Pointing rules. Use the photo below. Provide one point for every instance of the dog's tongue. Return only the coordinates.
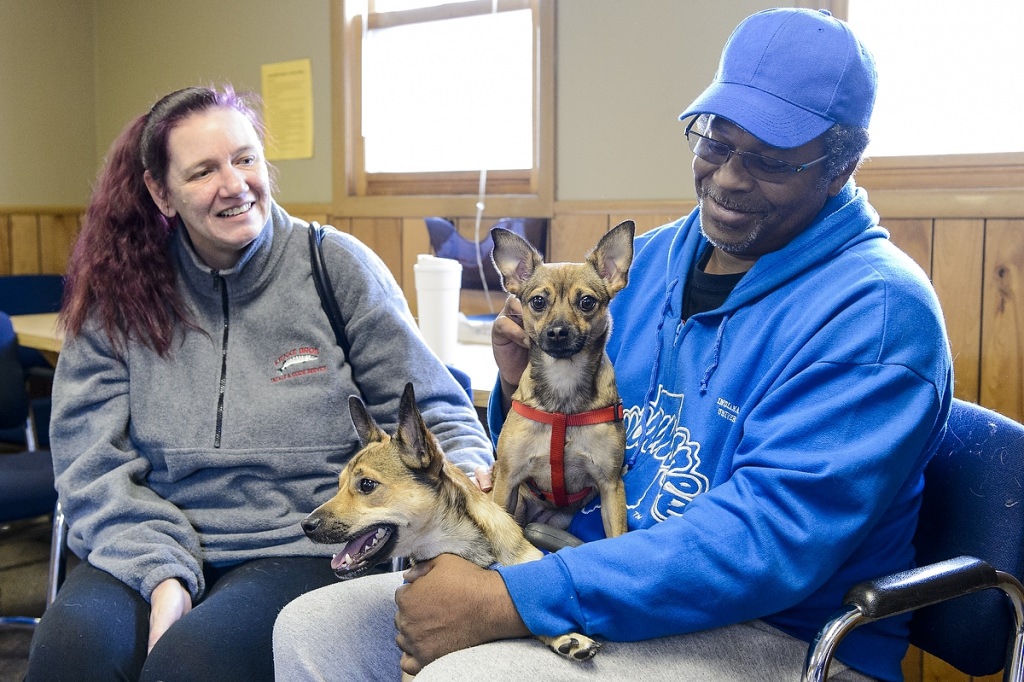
(354, 550)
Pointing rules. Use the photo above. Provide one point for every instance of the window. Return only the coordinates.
(948, 75)
(948, 108)
(443, 99)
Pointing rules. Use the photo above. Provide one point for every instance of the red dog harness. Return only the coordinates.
(559, 421)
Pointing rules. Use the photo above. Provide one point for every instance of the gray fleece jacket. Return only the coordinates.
(215, 453)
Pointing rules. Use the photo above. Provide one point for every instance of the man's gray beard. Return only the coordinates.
(730, 248)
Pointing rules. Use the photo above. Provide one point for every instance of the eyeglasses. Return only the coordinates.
(760, 167)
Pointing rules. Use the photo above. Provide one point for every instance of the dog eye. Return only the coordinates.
(367, 485)
(587, 303)
(538, 304)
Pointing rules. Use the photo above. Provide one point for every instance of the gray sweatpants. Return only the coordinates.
(347, 632)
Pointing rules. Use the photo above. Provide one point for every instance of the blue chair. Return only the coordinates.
(966, 596)
(448, 243)
(28, 295)
(26, 478)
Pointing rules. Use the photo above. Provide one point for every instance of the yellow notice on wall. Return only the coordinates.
(288, 109)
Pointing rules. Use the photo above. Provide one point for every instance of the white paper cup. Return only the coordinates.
(438, 281)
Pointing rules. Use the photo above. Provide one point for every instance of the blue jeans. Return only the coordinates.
(97, 629)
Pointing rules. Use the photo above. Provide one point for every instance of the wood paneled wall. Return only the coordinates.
(34, 241)
(975, 263)
(977, 267)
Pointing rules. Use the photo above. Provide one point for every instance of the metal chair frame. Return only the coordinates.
(957, 558)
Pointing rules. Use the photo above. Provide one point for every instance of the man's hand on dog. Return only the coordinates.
(448, 604)
(510, 347)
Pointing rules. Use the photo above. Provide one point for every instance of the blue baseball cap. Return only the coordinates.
(788, 75)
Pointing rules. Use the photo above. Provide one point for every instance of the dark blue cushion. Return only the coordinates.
(973, 505)
(26, 485)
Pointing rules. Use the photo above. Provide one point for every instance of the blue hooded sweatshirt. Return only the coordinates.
(775, 445)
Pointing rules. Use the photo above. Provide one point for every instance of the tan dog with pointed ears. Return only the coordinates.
(400, 497)
(564, 442)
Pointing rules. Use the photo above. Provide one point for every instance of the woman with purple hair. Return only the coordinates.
(200, 401)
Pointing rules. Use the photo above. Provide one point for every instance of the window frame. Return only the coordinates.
(517, 193)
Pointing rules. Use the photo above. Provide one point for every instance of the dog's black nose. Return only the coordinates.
(558, 333)
(310, 524)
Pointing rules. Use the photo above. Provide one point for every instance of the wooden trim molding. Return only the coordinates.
(947, 203)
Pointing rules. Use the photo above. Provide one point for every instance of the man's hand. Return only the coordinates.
(449, 604)
(169, 602)
(510, 347)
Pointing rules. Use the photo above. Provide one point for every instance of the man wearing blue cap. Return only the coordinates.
(786, 376)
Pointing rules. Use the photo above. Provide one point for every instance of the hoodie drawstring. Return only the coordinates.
(655, 369)
(715, 353)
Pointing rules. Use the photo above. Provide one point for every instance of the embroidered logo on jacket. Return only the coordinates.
(667, 445)
(727, 410)
(298, 362)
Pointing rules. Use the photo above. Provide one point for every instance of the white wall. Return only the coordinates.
(47, 102)
(626, 70)
(72, 75)
(147, 48)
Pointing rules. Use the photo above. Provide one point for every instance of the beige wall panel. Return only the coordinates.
(956, 273)
(936, 670)
(478, 301)
(467, 227)
(310, 216)
(384, 236)
(415, 241)
(1002, 331)
(24, 244)
(644, 222)
(914, 236)
(572, 236)
(5, 244)
(57, 233)
(340, 223)
(912, 664)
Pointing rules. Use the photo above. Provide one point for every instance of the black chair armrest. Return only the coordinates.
(910, 590)
(920, 587)
(549, 538)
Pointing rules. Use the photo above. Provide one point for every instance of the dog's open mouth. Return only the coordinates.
(364, 552)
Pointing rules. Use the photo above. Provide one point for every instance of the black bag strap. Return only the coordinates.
(323, 286)
(330, 304)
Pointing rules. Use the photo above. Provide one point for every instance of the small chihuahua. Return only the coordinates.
(564, 442)
(400, 497)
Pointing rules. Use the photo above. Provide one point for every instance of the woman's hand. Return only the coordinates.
(169, 602)
(484, 478)
(449, 604)
(510, 347)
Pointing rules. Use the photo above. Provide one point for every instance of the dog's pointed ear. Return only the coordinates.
(514, 258)
(366, 427)
(613, 255)
(420, 449)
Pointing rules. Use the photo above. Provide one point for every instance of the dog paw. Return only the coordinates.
(574, 646)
